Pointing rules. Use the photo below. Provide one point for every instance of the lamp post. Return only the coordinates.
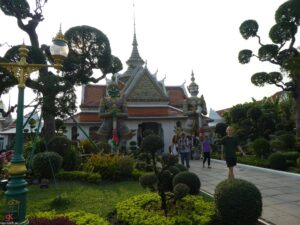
(15, 211)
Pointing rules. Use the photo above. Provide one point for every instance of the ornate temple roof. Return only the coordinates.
(92, 95)
(134, 62)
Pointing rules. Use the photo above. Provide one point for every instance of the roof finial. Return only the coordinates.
(135, 59)
(193, 87)
(133, 19)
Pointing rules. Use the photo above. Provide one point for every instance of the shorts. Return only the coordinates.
(230, 162)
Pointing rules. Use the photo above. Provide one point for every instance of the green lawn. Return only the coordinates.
(99, 199)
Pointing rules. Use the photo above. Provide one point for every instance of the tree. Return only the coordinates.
(281, 52)
(89, 50)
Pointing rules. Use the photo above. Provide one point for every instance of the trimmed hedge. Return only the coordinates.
(79, 217)
(277, 161)
(145, 209)
(94, 178)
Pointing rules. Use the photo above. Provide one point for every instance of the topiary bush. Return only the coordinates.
(293, 155)
(238, 202)
(72, 159)
(181, 167)
(174, 170)
(181, 190)
(148, 180)
(59, 144)
(277, 161)
(277, 145)
(145, 209)
(46, 163)
(190, 179)
(289, 140)
(152, 143)
(261, 147)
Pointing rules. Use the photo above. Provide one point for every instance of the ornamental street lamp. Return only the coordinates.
(15, 211)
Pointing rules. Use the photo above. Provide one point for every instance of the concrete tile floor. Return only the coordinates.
(280, 190)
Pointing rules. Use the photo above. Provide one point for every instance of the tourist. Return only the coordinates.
(173, 147)
(229, 145)
(184, 150)
(206, 146)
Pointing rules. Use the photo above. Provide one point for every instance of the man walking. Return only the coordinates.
(229, 145)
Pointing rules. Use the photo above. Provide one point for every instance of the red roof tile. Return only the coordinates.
(94, 93)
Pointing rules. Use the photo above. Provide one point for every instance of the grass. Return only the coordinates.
(98, 199)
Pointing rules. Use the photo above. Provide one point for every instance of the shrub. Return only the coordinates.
(54, 221)
(79, 218)
(59, 144)
(39, 147)
(277, 161)
(109, 166)
(46, 163)
(148, 180)
(289, 140)
(60, 202)
(181, 167)
(174, 170)
(190, 179)
(168, 159)
(165, 183)
(133, 146)
(253, 160)
(145, 209)
(293, 156)
(261, 147)
(136, 174)
(72, 159)
(125, 166)
(147, 132)
(88, 146)
(238, 202)
(298, 162)
(181, 190)
(277, 144)
(152, 143)
(104, 147)
(83, 176)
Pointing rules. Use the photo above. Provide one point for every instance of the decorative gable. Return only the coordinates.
(145, 88)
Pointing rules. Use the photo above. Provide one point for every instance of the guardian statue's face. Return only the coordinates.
(113, 90)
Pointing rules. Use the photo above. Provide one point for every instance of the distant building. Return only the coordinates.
(151, 104)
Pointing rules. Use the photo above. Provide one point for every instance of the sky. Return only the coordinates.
(175, 37)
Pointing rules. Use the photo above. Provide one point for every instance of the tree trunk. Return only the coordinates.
(163, 202)
(297, 105)
(48, 117)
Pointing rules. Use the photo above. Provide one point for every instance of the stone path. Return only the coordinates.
(280, 190)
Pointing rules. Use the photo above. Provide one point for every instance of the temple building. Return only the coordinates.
(151, 104)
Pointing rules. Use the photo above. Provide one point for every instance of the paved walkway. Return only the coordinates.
(280, 190)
